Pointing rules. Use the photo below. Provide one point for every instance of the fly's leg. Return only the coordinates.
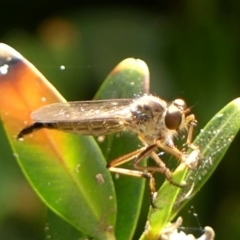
(139, 154)
(161, 166)
(126, 158)
(140, 174)
(181, 155)
(192, 164)
(172, 150)
(192, 123)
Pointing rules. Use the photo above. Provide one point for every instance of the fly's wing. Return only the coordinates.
(87, 117)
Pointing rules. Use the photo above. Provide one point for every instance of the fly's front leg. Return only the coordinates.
(192, 164)
(172, 150)
(180, 155)
(138, 155)
(125, 158)
(192, 123)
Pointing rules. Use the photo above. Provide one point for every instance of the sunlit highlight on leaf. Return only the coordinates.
(62, 168)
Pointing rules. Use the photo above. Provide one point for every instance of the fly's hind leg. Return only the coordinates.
(135, 173)
(161, 166)
(140, 174)
(138, 156)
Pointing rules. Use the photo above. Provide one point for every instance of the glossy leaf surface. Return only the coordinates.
(128, 79)
(62, 168)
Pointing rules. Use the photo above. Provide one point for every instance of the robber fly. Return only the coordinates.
(154, 120)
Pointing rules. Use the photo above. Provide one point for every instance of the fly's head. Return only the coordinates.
(157, 120)
(176, 113)
(178, 118)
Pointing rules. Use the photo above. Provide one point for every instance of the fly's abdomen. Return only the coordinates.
(93, 128)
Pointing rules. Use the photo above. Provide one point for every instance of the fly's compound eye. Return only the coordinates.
(173, 117)
(180, 104)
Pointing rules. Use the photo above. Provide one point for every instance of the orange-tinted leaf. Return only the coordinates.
(62, 168)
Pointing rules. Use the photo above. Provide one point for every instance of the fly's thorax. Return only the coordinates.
(155, 119)
(148, 117)
(147, 106)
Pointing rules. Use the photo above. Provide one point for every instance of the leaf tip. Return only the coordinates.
(131, 63)
(237, 101)
(7, 55)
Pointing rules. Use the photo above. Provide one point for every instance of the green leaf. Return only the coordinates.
(57, 228)
(128, 78)
(213, 141)
(62, 168)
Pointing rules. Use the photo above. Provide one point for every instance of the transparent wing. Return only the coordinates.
(87, 118)
(83, 111)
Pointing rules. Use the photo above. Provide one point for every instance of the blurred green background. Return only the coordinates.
(192, 49)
